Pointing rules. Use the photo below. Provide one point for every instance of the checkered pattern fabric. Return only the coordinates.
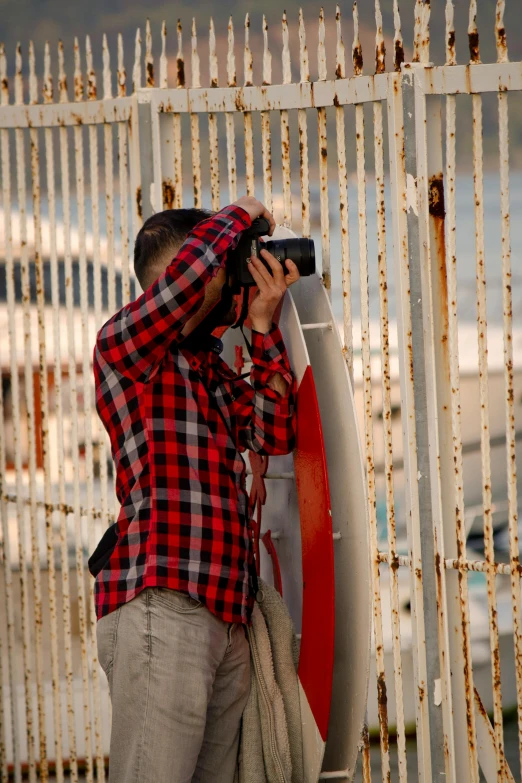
(178, 423)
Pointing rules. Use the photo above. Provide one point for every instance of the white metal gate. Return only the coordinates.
(440, 415)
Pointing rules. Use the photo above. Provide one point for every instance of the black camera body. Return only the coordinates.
(300, 251)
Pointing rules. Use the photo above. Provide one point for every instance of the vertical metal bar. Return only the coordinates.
(212, 123)
(164, 64)
(340, 73)
(6, 554)
(386, 405)
(73, 402)
(134, 141)
(285, 130)
(176, 119)
(429, 476)
(194, 122)
(123, 180)
(453, 499)
(109, 182)
(87, 405)
(229, 118)
(500, 32)
(98, 433)
(160, 198)
(302, 127)
(416, 31)
(398, 45)
(441, 459)
(247, 115)
(368, 420)
(425, 298)
(149, 59)
(484, 391)
(380, 47)
(167, 132)
(425, 31)
(507, 306)
(450, 34)
(366, 762)
(265, 124)
(462, 652)
(403, 182)
(323, 163)
(58, 406)
(24, 595)
(44, 423)
(124, 220)
(136, 71)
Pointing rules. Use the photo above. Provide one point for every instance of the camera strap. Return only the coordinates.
(241, 321)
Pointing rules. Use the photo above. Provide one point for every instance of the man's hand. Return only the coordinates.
(255, 209)
(271, 288)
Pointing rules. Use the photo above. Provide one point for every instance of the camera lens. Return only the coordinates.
(300, 251)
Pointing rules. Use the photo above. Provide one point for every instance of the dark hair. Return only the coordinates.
(162, 233)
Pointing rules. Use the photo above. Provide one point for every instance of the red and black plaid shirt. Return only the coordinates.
(177, 423)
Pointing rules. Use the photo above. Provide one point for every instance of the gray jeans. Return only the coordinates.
(179, 679)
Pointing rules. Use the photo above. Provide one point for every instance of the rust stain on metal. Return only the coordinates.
(500, 33)
(399, 55)
(380, 57)
(238, 102)
(436, 196)
(150, 74)
(501, 39)
(479, 705)
(180, 71)
(78, 87)
(451, 45)
(357, 60)
(139, 201)
(91, 85)
(168, 193)
(474, 49)
(382, 700)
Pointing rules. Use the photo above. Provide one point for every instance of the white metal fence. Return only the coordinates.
(376, 182)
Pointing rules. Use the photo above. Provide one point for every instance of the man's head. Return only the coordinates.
(160, 239)
(157, 244)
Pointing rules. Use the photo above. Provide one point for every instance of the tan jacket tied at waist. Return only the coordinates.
(271, 742)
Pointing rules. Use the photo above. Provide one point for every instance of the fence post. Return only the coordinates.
(444, 346)
(405, 231)
(434, 736)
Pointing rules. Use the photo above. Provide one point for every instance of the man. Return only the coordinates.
(174, 595)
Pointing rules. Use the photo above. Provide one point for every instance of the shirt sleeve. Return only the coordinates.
(137, 336)
(268, 427)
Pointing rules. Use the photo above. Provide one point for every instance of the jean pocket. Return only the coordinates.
(106, 636)
(176, 600)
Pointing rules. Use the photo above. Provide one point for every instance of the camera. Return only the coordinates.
(300, 251)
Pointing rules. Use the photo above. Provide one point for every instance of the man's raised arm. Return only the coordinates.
(137, 336)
